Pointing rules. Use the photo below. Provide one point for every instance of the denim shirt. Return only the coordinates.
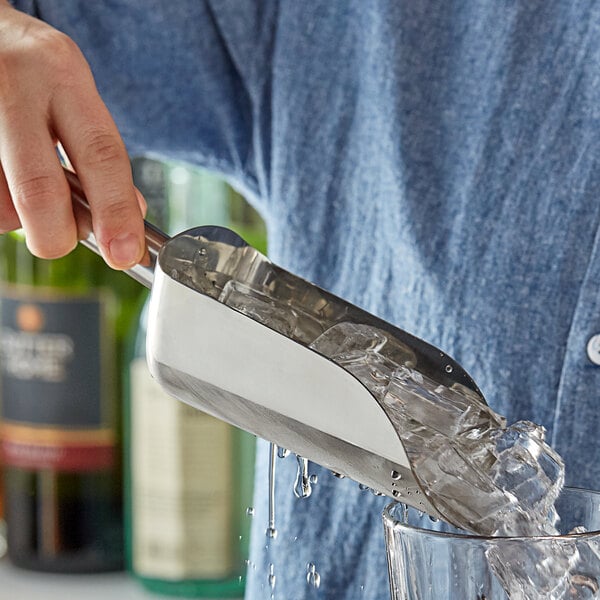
(434, 162)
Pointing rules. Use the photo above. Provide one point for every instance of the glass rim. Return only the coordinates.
(392, 523)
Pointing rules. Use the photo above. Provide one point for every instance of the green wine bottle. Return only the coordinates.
(189, 484)
(63, 324)
(188, 475)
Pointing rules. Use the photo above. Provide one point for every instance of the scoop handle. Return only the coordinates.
(155, 238)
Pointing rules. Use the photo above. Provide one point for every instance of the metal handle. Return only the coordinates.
(155, 238)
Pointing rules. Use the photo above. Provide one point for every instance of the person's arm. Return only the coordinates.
(48, 94)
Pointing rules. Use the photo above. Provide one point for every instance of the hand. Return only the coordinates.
(48, 95)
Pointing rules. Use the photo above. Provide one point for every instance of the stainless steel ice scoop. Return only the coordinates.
(231, 334)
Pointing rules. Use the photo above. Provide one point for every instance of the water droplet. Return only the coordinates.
(433, 519)
(282, 452)
(302, 485)
(362, 487)
(312, 577)
(271, 533)
(272, 577)
(396, 475)
(250, 511)
(397, 493)
(174, 274)
(202, 252)
(449, 369)
(338, 475)
(314, 478)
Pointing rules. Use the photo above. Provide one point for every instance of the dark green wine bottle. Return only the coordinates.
(62, 328)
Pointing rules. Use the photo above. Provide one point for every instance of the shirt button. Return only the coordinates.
(593, 349)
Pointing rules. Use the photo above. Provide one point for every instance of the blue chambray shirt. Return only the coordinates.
(435, 162)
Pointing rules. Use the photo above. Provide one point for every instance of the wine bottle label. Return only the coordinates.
(181, 476)
(52, 387)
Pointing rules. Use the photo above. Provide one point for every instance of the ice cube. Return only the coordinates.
(349, 342)
(460, 489)
(258, 304)
(414, 396)
(531, 569)
(373, 371)
(357, 348)
(528, 468)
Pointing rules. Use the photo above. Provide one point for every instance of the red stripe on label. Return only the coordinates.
(71, 458)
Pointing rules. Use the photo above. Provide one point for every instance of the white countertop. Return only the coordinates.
(18, 584)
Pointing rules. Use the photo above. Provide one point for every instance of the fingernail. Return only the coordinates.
(141, 202)
(125, 250)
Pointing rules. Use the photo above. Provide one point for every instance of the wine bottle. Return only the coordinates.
(190, 482)
(2, 521)
(188, 475)
(62, 328)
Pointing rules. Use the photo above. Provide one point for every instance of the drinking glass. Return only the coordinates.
(429, 559)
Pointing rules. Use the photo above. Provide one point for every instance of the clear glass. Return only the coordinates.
(431, 560)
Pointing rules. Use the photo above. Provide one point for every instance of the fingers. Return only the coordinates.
(47, 94)
(86, 130)
(9, 220)
(38, 189)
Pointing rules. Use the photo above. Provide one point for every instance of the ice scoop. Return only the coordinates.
(236, 336)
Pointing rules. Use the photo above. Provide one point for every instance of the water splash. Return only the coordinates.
(312, 576)
(271, 529)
